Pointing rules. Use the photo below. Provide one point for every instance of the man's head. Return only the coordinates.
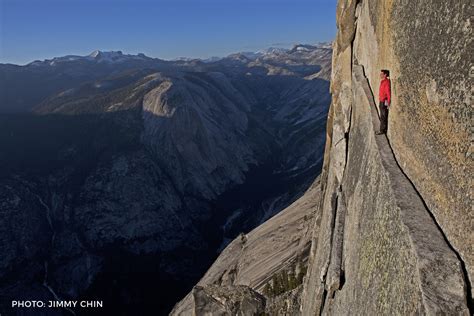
(384, 73)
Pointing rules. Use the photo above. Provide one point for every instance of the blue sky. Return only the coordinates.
(40, 29)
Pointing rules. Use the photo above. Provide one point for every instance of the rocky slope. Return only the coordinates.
(132, 172)
(276, 251)
(394, 229)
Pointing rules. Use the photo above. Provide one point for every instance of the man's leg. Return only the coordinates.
(383, 117)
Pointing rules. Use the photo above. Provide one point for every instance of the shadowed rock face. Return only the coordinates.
(136, 175)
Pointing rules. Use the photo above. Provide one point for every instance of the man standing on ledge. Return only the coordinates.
(384, 99)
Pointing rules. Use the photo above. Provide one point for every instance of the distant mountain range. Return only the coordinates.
(97, 56)
(120, 57)
(46, 77)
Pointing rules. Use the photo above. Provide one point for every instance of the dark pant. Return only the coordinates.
(383, 117)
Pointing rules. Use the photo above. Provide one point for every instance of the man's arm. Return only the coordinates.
(389, 92)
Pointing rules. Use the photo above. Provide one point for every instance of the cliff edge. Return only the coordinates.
(396, 230)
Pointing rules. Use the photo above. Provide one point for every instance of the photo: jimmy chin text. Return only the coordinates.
(57, 304)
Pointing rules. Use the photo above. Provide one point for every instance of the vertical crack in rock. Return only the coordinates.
(324, 270)
(356, 17)
(334, 279)
(323, 302)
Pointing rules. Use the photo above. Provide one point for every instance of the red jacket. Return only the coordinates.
(384, 90)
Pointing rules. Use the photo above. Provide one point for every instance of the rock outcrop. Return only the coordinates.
(222, 300)
(395, 235)
(277, 249)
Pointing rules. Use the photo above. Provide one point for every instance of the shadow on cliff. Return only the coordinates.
(40, 144)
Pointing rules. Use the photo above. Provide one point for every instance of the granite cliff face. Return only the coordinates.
(392, 233)
(396, 229)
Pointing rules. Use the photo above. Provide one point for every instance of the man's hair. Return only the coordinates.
(386, 72)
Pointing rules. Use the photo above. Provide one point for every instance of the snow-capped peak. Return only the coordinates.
(274, 50)
(112, 55)
(94, 54)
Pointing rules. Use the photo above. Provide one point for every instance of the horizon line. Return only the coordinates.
(243, 50)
